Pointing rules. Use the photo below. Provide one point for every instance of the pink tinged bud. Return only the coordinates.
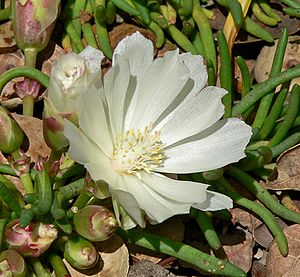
(31, 241)
(33, 22)
(95, 223)
(80, 253)
(12, 264)
(27, 87)
(53, 127)
(11, 135)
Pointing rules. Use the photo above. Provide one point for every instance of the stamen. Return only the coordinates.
(137, 150)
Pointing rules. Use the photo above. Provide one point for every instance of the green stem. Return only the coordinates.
(3, 222)
(24, 71)
(181, 251)
(262, 194)
(266, 101)
(285, 145)
(24, 177)
(260, 90)
(7, 169)
(205, 224)
(289, 118)
(5, 14)
(58, 266)
(267, 217)
(39, 268)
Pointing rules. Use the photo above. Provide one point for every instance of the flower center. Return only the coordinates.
(137, 150)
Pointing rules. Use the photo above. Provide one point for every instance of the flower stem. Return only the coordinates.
(7, 169)
(262, 194)
(24, 177)
(39, 268)
(3, 222)
(267, 217)
(58, 266)
(205, 224)
(260, 90)
(23, 71)
(181, 251)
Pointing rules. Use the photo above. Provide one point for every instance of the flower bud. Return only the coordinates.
(72, 75)
(12, 264)
(98, 188)
(80, 253)
(31, 241)
(11, 135)
(53, 127)
(95, 223)
(33, 22)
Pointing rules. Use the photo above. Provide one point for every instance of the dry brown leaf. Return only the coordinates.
(288, 168)
(114, 260)
(7, 41)
(243, 218)
(238, 248)
(263, 236)
(33, 129)
(289, 266)
(258, 269)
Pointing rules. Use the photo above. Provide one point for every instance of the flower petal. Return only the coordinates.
(215, 147)
(193, 115)
(138, 51)
(181, 191)
(93, 56)
(198, 72)
(215, 201)
(156, 206)
(131, 207)
(86, 152)
(119, 86)
(92, 119)
(162, 83)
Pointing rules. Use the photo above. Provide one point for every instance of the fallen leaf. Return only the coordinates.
(288, 168)
(238, 248)
(258, 269)
(114, 260)
(33, 129)
(288, 266)
(7, 41)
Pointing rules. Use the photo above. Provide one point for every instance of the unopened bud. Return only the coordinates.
(53, 127)
(31, 241)
(80, 253)
(95, 223)
(33, 22)
(12, 264)
(11, 135)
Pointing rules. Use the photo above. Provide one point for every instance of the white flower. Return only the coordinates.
(73, 74)
(151, 117)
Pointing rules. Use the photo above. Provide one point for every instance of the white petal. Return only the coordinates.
(93, 56)
(127, 201)
(123, 218)
(193, 115)
(155, 205)
(93, 121)
(215, 201)
(182, 191)
(138, 51)
(119, 86)
(197, 69)
(162, 83)
(215, 147)
(86, 152)
(56, 94)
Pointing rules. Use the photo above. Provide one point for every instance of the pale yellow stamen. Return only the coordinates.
(137, 150)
